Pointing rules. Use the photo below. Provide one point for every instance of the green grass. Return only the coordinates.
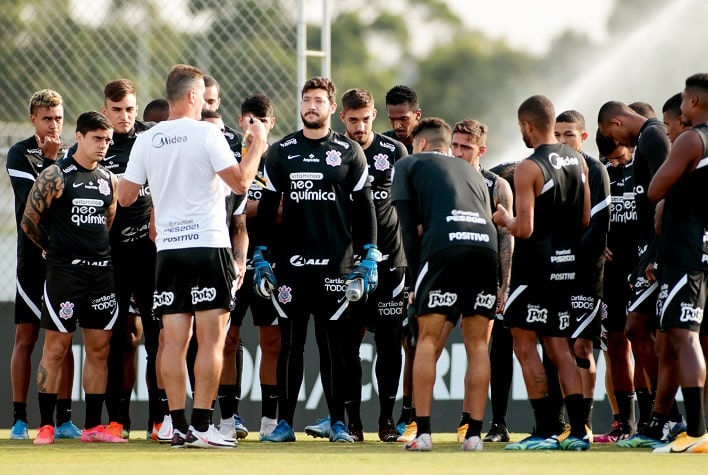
(316, 456)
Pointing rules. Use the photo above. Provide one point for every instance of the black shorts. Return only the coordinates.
(262, 310)
(300, 294)
(644, 293)
(585, 317)
(439, 288)
(79, 294)
(544, 309)
(28, 294)
(190, 280)
(387, 302)
(682, 297)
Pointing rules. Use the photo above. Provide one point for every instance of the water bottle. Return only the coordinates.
(355, 290)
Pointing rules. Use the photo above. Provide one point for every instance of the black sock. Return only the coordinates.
(269, 396)
(94, 408)
(474, 428)
(576, 406)
(406, 410)
(465, 419)
(674, 413)
(695, 411)
(19, 412)
(423, 425)
(545, 421)
(353, 409)
(655, 427)
(645, 401)
(625, 406)
(47, 403)
(125, 395)
(227, 397)
(201, 419)
(63, 411)
(179, 420)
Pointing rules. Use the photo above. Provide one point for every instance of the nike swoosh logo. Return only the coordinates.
(76, 185)
(290, 157)
(392, 269)
(108, 158)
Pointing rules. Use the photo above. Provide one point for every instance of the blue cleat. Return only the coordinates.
(282, 433)
(673, 429)
(19, 431)
(67, 431)
(534, 442)
(322, 429)
(339, 433)
(640, 441)
(575, 443)
(401, 427)
(240, 427)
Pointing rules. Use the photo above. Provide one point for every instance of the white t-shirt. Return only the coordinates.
(179, 159)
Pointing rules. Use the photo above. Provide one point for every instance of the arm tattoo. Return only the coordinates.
(504, 197)
(111, 210)
(49, 185)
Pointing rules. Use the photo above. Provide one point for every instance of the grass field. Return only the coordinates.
(315, 456)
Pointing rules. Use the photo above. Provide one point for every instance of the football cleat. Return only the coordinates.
(685, 443)
(422, 443)
(240, 427)
(166, 431)
(575, 443)
(615, 434)
(282, 433)
(563, 435)
(19, 431)
(410, 432)
(462, 432)
(115, 429)
(321, 429)
(45, 436)
(209, 439)
(357, 433)
(472, 444)
(339, 433)
(177, 440)
(67, 431)
(100, 434)
(640, 441)
(497, 433)
(534, 442)
(388, 432)
(672, 429)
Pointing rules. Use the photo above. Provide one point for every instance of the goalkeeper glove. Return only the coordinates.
(364, 278)
(263, 278)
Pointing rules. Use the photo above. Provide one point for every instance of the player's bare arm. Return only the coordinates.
(685, 154)
(49, 185)
(503, 196)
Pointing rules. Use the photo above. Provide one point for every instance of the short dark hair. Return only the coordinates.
(357, 99)
(572, 117)
(117, 90)
(259, 105)
(92, 120)
(539, 111)
(319, 82)
(435, 130)
(401, 94)
(643, 108)
(673, 104)
(181, 79)
(210, 81)
(605, 145)
(698, 80)
(157, 110)
(611, 109)
(472, 127)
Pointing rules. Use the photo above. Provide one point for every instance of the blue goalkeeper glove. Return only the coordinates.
(364, 278)
(263, 278)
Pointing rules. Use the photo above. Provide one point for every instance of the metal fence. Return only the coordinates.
(76, 46)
